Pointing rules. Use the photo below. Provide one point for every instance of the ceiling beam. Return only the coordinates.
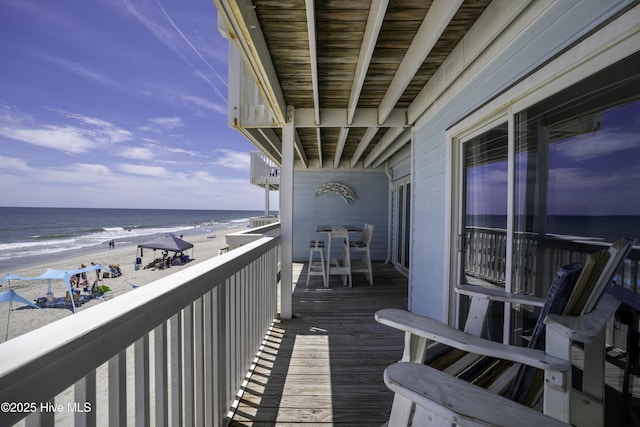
(302, 155)
(371, 32)
(401, 141)
(271, 149)
(313, 57)
(363, 144)
(500, 24)
(438, 17)
(273, 139)
(319, 142)
(342, 139)
(338, 117)
(384, 143)
(239, 16)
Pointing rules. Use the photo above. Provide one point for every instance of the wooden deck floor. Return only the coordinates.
(324, 367)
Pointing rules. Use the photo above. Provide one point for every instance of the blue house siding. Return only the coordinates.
(562, 24)
(371, 206)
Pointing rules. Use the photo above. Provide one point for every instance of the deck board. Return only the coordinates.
(325, 366)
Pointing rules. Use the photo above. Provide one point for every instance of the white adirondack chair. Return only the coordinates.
(425, 396)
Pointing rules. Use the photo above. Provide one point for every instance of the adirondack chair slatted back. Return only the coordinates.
(574, 289)
(486, 370)
(617, 253)
(560, 291)
(575, 310)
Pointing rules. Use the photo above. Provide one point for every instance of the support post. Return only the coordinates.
(286, 215)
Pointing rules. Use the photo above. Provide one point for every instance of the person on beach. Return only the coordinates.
(97, 272)
(83, 277)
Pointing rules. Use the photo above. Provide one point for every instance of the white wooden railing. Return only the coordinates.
(235, 240)
(264, 170)
(173, 352)
(259, 221)
(485, 251)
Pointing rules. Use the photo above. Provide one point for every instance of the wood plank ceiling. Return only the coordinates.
(350, 68)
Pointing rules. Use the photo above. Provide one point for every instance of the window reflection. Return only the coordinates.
(577, 177)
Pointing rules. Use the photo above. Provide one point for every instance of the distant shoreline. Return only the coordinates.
(7, 266)
(17, 319)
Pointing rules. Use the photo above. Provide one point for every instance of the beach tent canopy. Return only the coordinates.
(51, 274)
(11, 295)
(168, 242)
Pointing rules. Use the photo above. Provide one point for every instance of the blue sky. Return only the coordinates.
(118, 103)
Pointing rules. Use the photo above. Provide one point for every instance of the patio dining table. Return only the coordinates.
(333, 231)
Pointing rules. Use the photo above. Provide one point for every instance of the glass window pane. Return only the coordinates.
(577, 178)
(485, 207)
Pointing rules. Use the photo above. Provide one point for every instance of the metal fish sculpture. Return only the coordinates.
(346, 193)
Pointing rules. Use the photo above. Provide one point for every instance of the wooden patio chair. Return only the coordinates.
(577, 310)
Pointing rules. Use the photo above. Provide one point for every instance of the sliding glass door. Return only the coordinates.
(562, 182)
(402, 225)
(483, 222)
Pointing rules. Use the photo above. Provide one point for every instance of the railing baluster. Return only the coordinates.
(161, 375)
(141, 375)
(222, 343)
(118, 389)
(176, 369)
(208, 360)
(85, 393)
(187, 366)
(198, 364)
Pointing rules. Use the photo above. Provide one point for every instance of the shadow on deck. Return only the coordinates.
(325, 366)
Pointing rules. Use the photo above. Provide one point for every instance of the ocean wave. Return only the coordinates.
(239, 220)
(45, 246)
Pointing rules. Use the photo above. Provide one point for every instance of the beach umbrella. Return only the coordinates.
(51, 274)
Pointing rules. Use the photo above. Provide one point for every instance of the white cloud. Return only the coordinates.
(181, 151)
(136, 153)
(68, 139)
(233, 159)
(95, 185)
(590, 146)
(92, 170)
(163, 124)
(205, 103)
(88, 134)
(13, 163)
(154, 171)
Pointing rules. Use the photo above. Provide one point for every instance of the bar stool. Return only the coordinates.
(337, 266)
(316, 268)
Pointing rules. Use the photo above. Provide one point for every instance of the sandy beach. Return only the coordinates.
(16, 320)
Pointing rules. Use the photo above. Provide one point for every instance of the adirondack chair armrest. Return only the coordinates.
(434, 330)
(584, 328)
(456, 401)
(475, 291)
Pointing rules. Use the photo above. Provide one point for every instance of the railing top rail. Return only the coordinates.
(257, 230)
(66, 350)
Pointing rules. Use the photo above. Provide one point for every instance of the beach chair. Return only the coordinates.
(429, 391)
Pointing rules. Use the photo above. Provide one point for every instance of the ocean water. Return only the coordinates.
(29, 235)
(603, 228)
